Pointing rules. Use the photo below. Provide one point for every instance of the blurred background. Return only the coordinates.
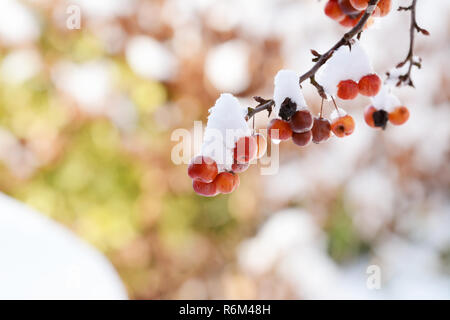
(86, 117)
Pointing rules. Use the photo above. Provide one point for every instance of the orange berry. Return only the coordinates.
(368, 116)
(279, 129)
(347, 7)
(333, 10)
(205, 189)
(359, 4)
(226, 182)
(302, 138)
(348, 21)
(343, 126)
(399, 115)
(203, 169)
(321, 130)
(369, 85)
(347, 90)
(383, 8)
(262, 145)
(245, 149)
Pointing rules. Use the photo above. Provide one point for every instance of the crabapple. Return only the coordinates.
(347, 7)
(245, 149)
(239, 167)
(203, 169)
(321, 130)
(302, 138)
(368, 116)
(369, 85)
(301, 121)
(347, 90)
(205, 189)
(359, 4)
(262, 145)
(399, 115)
(343, 126)
(333, 10)
(383, 8)
(282, 127)
(226, 182)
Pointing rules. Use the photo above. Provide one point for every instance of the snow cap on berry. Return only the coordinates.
(226, 124)
(344, 64)
(385, 99)
(287, 86)
(337, 113)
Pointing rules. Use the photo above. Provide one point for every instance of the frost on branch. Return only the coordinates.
(345, 64)
(287, 87)
(226, 124)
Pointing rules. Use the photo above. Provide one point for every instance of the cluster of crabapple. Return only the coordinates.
(369, 85)
(303, 128)
(209, 182)
(378, 118)
(349, 12)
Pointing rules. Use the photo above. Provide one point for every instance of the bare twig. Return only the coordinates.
(263, 105)
(406, 78)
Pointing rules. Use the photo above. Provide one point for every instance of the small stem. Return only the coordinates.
(335, 106)
(321, 109)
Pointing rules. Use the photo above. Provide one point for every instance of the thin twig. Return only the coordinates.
(414, 27)
(263, 105)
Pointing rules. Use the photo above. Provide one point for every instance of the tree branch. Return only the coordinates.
(414, 27)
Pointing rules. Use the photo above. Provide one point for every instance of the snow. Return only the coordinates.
(226, 66)
(226, 124)
(150, 59)
(40, 259)
(337, 113)
(287, 86)
(344, 64)
(385, 99)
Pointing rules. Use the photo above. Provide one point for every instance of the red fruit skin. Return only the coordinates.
(347, 90)
(399, 115)
(359, 4)
(205, 189)
(348, 21)
(302, 139)
(239, 167)
(262, 145)
(369, 85)
(321, 130)
(368, 116)
(301, 121)
(283, 127)
(343, 126)
(246, 149)
(383, 8)
(203, 169)
(347, 8)
(333, 11)
(225, 182)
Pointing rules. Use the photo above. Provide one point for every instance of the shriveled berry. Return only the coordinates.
(205, 189)
(380, 118)
(321, 130)
(399, 115)
(347, 90)
(203, 169)
(301, 121)
(343, 126)
(302, 139)
(369, 85)
(245, 149)
(333, 10)
(279, 129)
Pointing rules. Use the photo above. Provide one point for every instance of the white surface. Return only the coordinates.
(40, 259)
(286, 86)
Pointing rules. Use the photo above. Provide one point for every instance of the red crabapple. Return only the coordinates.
(321, 130)
(203, 169)
(368, 116)
(399, 115)
(347, 90)
(347, 7)
(226, 182)
(239, 167)
(369, 85)
(205, 189)
(343, 126)
(281, 127)
(302, 139)
(262, 145)
(301, 121)
(245, 149)
(359, 4)
(383, 8)
(333, 10)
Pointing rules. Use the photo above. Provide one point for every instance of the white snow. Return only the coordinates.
(226, 124)
(40, 259)
(287, 86)
(345, 64)
(385, 99)
(335, 114)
